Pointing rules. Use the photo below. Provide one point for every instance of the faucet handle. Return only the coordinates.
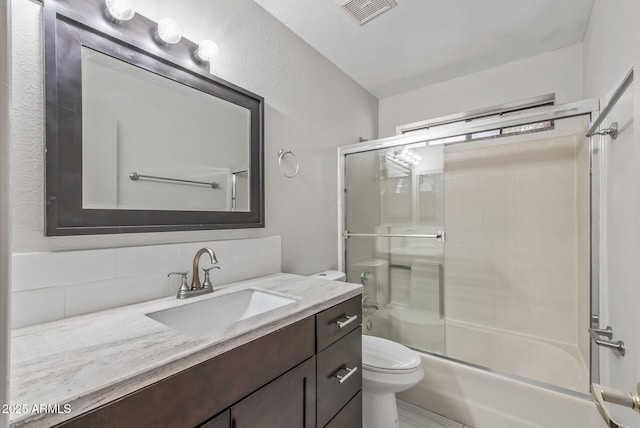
(184, 286)
(207, 281)
(184, 274)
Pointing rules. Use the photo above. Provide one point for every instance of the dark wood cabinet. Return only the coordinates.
(339, 364)
(337, 321)
(350, 416)
(339, 371)
(221, 421)
(287, 379)
(288, 401)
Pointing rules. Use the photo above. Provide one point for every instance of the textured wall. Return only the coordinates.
(558, 72)
(5, 230)
(311, 108)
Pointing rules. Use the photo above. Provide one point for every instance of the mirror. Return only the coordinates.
(138, 125)
(140, 137)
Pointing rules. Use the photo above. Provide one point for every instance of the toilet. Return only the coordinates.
(387, 368)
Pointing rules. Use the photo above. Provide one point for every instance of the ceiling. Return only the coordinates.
(421, 42)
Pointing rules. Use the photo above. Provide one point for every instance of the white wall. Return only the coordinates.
(610, 38)
(558, 72)
(311, 108)
(134, 120)
(5, 219)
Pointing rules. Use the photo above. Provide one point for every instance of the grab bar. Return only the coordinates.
(602, 394)
(617, 346)
(134, 176)
(612, 102)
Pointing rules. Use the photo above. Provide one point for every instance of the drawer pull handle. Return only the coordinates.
(347, 320)
(343, 379)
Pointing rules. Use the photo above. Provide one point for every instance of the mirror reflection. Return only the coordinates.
(151, 143)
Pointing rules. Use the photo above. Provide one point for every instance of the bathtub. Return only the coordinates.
(531, 357)
(484, 398)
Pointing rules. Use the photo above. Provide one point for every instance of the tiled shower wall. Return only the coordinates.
(517, 253)
(52, 285)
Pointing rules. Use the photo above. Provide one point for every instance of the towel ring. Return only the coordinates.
(281, 154)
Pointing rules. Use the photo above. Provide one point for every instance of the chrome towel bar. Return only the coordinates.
(616, 346)
(346, 234)
(134, 176)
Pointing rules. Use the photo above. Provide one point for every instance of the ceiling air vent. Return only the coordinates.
(365, 10)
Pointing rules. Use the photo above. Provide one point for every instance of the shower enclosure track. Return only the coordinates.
(588, 107)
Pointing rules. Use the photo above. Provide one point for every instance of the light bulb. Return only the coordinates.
(168, 31)
(207, 51)
(120, 10)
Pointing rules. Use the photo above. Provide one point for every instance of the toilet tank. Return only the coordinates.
(333, 275)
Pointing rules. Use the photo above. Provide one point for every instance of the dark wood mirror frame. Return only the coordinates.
(72, 24)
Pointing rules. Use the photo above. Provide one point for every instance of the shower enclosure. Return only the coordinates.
(473, 240)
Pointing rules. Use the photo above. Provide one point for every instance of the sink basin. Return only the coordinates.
(211, 314)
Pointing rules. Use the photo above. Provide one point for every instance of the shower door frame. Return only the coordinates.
(586, 107)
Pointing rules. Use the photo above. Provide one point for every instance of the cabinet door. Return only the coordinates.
(350, 416)
(287, 402)
(220, 421)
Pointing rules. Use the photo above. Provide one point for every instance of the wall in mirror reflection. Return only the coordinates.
(137, 121)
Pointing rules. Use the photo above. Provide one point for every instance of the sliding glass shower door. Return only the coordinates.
(394, 201)
(475, 242)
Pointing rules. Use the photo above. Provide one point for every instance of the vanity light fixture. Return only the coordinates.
(168, 32)
(207, 51)
(120, 10)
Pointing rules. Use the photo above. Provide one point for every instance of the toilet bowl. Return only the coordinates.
(387, 368)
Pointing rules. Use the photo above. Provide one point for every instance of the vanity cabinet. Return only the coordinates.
(288, 401)
(221, 421)
(290, 378)
(339, 364)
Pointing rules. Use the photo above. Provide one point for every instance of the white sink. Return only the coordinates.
(211, 314)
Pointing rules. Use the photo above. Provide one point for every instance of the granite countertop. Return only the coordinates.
(83, 362)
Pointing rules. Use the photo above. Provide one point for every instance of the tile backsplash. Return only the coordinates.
(52, 285)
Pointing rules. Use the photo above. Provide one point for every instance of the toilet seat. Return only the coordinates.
(385, 356)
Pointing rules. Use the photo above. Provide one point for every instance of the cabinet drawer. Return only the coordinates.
(350, 416)
(337, 322)
(339, 375)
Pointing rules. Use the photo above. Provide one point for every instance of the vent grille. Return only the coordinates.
(365, 10)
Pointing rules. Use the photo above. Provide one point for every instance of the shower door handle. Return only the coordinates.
(601, 394)
(596, 335)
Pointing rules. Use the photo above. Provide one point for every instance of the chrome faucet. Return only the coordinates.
(195, 281)
(197, 288)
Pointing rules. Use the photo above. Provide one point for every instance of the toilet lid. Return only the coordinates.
(379, 353)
